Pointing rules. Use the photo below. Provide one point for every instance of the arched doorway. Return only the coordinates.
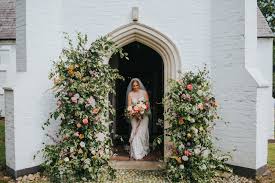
(147, 65)
(159, 42)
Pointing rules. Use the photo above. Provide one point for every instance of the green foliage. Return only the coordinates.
(268, 9)
(190, 111)
(271, 155)
(82, 83)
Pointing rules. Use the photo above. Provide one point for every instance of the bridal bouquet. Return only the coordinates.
(137, 110)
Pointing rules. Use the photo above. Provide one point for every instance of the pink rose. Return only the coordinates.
(76, 134)
(95, 110)
(85, 121)
(58, 103)
(74, 99)
(181, 120)
(91, 101)
(187, 153)
(97, 118)
(200, 106)
(136, 108)
(189, 87)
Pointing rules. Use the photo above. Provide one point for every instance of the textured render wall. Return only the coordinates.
(265, 109)
(32, 100)
(186, 23)
(7, 58)
(264, 64)
(9, 129)
(4, 59)
(2, 100)
(234, 86)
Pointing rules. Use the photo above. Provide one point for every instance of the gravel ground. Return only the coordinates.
(132, 176)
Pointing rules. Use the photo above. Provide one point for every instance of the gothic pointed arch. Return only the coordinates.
(154, 39)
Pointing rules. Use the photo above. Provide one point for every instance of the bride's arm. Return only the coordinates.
(129, 99)
(146, 97)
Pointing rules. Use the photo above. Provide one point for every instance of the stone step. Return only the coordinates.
(137, 165)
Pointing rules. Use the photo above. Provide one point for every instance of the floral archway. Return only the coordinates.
(82, 83)
(82, 148)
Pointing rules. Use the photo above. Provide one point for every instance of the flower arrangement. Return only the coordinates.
(191, 110)
(137, 110)
(82, 83)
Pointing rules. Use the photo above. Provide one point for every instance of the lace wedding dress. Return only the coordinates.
(139, 139)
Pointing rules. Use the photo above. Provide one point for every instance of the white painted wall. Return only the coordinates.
(7, 60)
(185, 23)
(204, 31)
(265, 67)
(264, 106)
(234, 86)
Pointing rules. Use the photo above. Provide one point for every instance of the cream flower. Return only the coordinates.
(100, 137)
(82, 144)
(184, 158)
(129, 108)
(66, 159)
(91, 101)
(197, 151)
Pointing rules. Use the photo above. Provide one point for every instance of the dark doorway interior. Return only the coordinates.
(147, 65)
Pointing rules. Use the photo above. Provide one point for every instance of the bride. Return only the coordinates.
(139, 138)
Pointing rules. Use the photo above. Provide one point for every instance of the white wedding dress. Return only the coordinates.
(139, 139)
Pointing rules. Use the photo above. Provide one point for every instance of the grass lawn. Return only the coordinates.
(2, 144)
(271, 155)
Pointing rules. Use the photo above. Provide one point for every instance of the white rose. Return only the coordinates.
(92, 151)
(195, 130)
(182, 166)
(129, 108)
(87, 161)
(72, 149)
(184, 158)
(76, 96)
(205, 153)
(200, 92)
(82, 144)
(81, 101)
(100, 137)
(197, 151)
(192, 120)
(181, 147)
(203, 167)
(66, 159)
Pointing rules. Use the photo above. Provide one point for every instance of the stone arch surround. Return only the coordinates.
(154, 39)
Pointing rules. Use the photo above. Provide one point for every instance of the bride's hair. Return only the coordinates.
(135, 81)
(129, 88)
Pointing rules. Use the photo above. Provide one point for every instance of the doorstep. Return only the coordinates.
(137, 165)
